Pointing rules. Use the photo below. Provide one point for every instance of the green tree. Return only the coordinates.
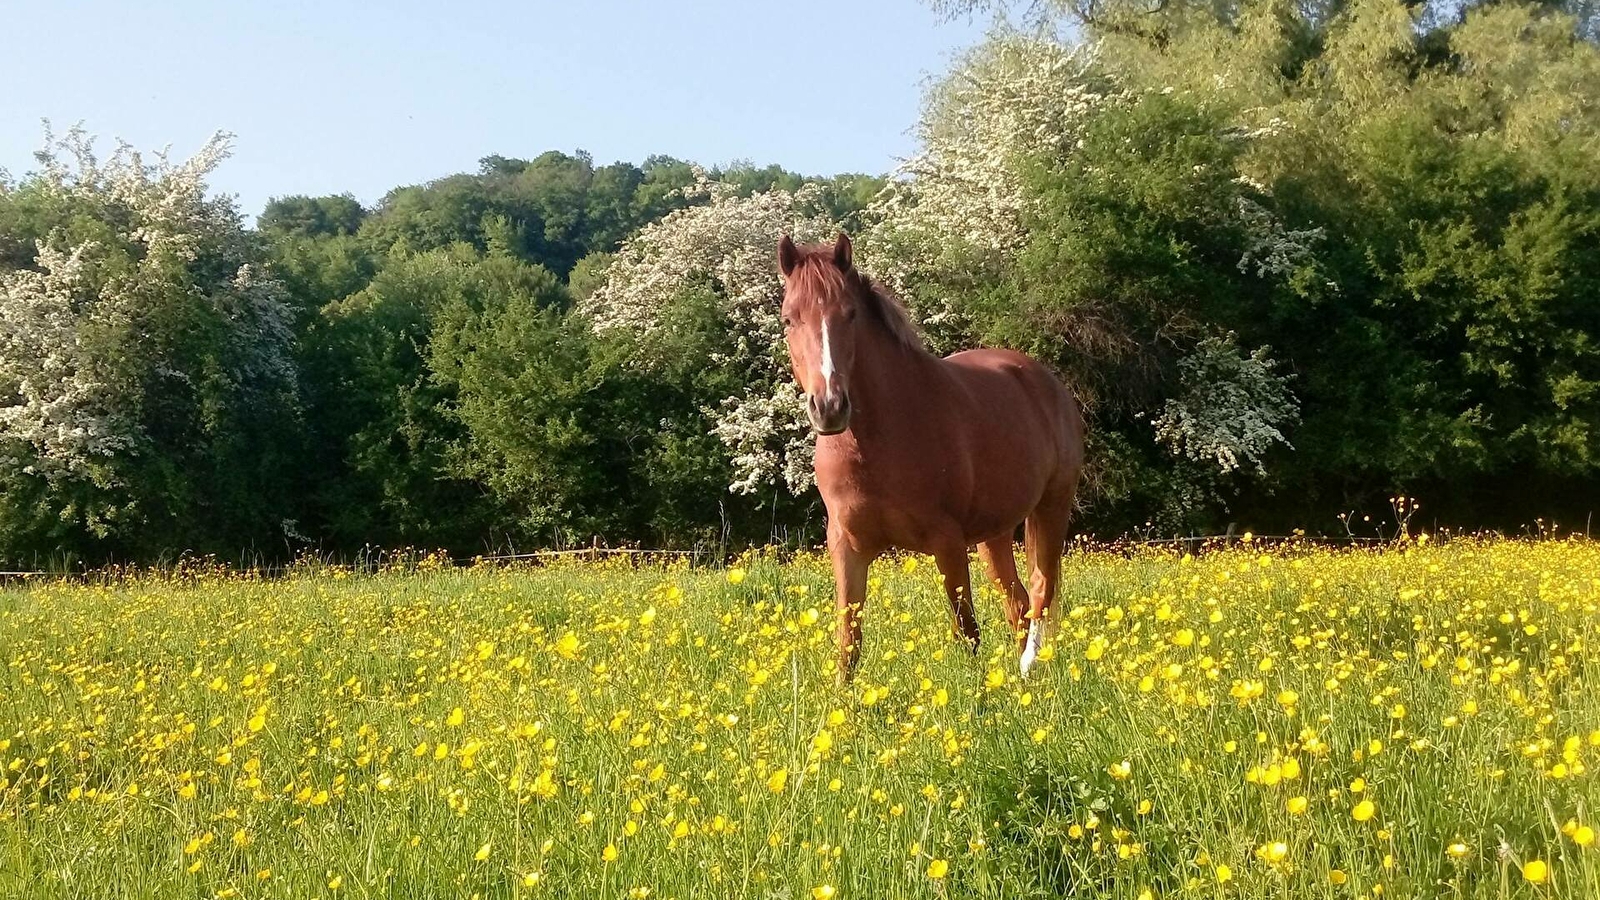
(1402, 208)
(380, 418)
(528, 401)
(147, 385)
(312, 216)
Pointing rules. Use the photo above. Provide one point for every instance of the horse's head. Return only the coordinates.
(822, 297)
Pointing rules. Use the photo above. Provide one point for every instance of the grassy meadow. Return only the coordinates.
(1417, 721)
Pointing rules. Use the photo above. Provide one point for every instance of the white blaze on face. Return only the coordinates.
(827, 362)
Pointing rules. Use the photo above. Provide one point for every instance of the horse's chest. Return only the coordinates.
(901, 506)
(909, 479)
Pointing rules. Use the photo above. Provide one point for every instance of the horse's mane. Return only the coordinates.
(815, 272)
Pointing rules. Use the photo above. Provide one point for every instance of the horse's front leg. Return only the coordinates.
(850, 597)
(952, 563)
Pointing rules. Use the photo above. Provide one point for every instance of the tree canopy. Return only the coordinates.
(1297, 258)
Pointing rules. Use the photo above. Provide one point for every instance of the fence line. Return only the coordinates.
(597, 552)
(588, 551)
(1239, 539)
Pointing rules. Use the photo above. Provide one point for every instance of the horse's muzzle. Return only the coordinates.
(829, 414)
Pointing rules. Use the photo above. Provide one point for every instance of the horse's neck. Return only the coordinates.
(891, 380)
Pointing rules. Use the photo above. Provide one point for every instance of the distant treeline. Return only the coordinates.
(1297, 261)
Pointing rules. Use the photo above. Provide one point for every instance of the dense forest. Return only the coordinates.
(1297, 259)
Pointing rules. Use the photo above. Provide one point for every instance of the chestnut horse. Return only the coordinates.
(927, 454)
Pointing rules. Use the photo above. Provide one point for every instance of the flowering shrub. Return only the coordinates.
(1228, 406)
(951, 233)
(957, 216)
(140, 330)
(724, 250)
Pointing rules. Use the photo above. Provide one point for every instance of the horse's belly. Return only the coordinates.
(992, 525)
(874, 524)
(930, 517)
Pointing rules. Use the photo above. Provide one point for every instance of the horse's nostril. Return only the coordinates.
(829, 413)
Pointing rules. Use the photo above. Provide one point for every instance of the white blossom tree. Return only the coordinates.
(724, 248)
(956, 213)
(953, 225)
(1228, 406)
(141, 325)
(58, 412)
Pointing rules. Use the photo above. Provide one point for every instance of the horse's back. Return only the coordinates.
(1025, 393)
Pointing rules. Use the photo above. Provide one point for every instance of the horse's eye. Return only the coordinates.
(850, 314)
(788, 322)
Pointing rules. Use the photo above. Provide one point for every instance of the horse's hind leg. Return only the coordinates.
(998, 558)
(1046, 538)
(952, 563)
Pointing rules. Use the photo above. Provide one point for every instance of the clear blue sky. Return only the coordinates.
(335, 96)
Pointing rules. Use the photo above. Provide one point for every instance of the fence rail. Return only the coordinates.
(583, 553)
(1239, 538)
(590, 551)
(597, 552)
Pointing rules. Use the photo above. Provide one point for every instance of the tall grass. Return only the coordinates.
(1219, 726)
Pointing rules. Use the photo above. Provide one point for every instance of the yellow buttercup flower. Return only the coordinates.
(1273, 852)
(651, 702)
(567, 646)
(1095, 650)
(823, 742)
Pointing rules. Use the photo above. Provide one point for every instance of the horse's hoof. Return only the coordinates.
(1030, 649)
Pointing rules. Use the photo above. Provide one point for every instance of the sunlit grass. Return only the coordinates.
(1419, 721)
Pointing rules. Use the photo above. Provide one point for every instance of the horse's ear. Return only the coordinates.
(842, 253)
(788, 255)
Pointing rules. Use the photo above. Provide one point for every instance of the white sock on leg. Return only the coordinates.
(1030, 650)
